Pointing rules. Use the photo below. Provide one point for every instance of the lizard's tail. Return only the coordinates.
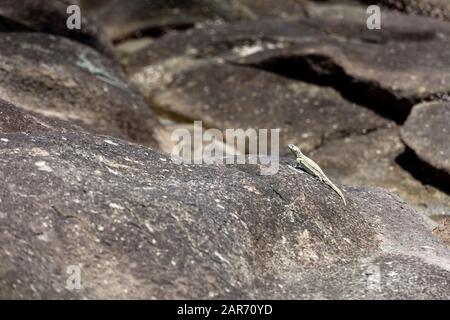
(336, 189)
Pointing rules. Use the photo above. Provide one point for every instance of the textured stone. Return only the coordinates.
(439, 9)
(123, 19)
(336, 21)
(267, 8)
(14, 119)
(376, 159)
(50, 16)
(140, 226)
(350, 20)
(60, 78)
(233, 39)
(161, 230)
(442, 231)
(226, 96)
(427, 133)
(385, 73)
(331, 46)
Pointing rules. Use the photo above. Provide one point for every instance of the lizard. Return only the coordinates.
(312, 168)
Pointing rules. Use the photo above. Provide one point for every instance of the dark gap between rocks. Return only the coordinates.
(172, 116)
(322, 71)
(422, 171)
(7, 25)
(154, 32)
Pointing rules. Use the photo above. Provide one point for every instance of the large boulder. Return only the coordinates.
(227, 96)
(15, 119)
(63, 79)
(379, 158)
(442, 231)
(141, 18)
(212, 74)
(50, 16)
(386, 71)
(439, 9)
(427, 135)
(164, 230)
(336, 21)
(389, 75)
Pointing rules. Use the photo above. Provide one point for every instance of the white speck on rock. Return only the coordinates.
(39, 152)
(42, 166)
(111, 142)
(221, 258)
(248, 50)
(4, 140)
(43, 237)
(112, 171)
(163, 159)
(148, 226)
(116, 206)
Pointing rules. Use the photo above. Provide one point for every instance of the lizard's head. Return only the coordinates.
(295, 150)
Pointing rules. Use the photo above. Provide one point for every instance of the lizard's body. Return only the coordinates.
(309, 166)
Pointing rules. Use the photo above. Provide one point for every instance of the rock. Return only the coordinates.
(50, 16)
(56, 77)
(385, 76)
(379, 70)
(223, 40)
(141, 18)
(350, 20)
(14, 119)
(426, 133)
(162, 230)
(267, 8)
(226, 96)
(377, 159)
(442, 231)
(342, 21)
(439, 9)
(169, 141)
(189, 63)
